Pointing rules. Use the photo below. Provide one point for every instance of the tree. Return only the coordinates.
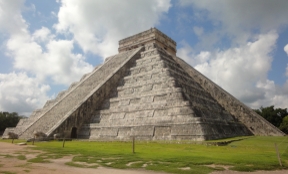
(8, 120)
(284, 125)
(274, 116)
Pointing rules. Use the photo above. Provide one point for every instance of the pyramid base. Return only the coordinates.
(186, 131)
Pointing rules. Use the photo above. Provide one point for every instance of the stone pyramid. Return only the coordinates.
(146, 92)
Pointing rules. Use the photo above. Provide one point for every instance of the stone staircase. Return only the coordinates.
(157, 99)
(56, 111)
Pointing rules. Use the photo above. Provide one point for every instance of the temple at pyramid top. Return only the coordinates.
(146, 37)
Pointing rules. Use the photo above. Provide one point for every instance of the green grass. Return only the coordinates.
(7, 172)
(44, 158)
(243, 154)
(21, 157)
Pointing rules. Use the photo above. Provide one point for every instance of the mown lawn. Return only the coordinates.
(247, 154)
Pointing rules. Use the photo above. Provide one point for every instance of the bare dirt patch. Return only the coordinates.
(56, 166)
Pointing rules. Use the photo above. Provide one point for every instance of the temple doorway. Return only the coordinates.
(74, 132)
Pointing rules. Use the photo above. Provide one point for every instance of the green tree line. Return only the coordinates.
(277, 116)
(8, 119)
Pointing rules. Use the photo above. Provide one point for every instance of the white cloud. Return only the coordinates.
(57, 62)
(286, 49)
(11, 20)
(20, 93)
(40, 53)
(242, 70)
(42, 35)
(97, 26)
(198, 30)
(274, 95)
(238, 18)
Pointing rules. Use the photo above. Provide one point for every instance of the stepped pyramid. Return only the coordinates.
(147, 92)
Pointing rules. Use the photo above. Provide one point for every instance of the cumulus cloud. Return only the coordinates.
(39, 54)
(42, 35)
(198, 30)
(97, 26)
(11, 20)
(56, 61)
(242, 70)
(237, 18)
(286, 49)
(21, 93)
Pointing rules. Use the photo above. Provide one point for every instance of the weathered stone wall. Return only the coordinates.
(63, 108)
(7, 130)
(255, 123)
(110, 78)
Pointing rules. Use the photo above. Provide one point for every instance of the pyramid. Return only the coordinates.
(146, 92)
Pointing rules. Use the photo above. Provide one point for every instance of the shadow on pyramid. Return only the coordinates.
(146, 92)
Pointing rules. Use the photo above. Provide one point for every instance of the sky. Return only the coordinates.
(47, 45)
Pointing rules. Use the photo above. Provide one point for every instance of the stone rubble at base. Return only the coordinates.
(146, 92)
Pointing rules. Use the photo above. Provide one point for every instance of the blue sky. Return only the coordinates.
(47, 45)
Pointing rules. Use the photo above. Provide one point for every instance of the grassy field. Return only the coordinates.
(244, 154)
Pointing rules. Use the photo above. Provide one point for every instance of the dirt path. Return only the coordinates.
(57, 166)
(10, 161)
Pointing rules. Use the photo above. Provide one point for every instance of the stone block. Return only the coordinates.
(142, 131)
(108, 131)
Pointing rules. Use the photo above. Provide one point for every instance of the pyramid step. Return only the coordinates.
(141, 77)
(212, 113)
(157, 74)
(155, 51)
(147, 67)
(144, 89)
(170, 105)
(156, 94)
(181, 119)
(151, 92)
(144, 117)
(166, 80)
(134, 121)
(138, 104)
(160, 63)
(193, 131)
(153, 59)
